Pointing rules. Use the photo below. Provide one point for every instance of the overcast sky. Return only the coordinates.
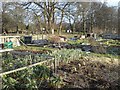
(110, 2)
(113, 2)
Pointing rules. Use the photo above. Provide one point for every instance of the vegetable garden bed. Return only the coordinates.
(73, 68)
(86, 74)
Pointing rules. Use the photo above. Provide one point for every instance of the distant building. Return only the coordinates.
(69, 31)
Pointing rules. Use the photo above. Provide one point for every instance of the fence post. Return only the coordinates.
(0, 70)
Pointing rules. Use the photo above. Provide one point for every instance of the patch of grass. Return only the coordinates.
(34, 48)
(76, 42)
(105, 55)
(111, 42)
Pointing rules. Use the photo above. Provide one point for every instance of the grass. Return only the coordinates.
(105, 55)
(34, 48)
(76, 42)
(111, 42)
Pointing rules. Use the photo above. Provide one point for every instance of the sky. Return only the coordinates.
(113, 2)
(110, 2)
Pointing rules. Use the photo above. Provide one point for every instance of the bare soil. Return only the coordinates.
(87, 73)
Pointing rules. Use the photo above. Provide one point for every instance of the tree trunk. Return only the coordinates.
(17, 29)
(60, 27)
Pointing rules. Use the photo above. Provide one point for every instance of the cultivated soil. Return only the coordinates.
(90, 72)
